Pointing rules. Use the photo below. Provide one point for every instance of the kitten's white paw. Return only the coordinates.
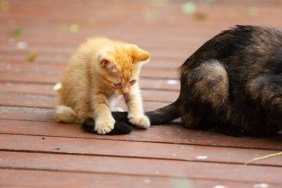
(141, 121)
(103, 127)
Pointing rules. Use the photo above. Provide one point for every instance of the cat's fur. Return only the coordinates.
(100, 70)
(232, 84)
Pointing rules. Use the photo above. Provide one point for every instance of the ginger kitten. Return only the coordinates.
(100, 70)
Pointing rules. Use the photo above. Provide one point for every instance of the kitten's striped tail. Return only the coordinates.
(165, 114)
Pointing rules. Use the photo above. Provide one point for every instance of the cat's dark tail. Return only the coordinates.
(119, 128)
(165, 114)
(157, 117)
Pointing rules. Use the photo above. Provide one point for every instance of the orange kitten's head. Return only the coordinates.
(120, 65)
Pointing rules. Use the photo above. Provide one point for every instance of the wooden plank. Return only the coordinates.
(85, 11)
(135, 166)
(20, 87)
(45, 114)
(28, 114)
(28, 100)
(35, 77)
(30, 78)
(38, 178)
(158, 157)
(11, 100)
(165, 59)
(27, 88)
(51, 101)
(22, 66)
(61, 51)
(135, 149)
(147, 73)
(174, 134)
(29, 178)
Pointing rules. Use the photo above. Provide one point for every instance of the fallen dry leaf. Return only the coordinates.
(201, 16)
(4, 6)
(31, 57)
(264, 157)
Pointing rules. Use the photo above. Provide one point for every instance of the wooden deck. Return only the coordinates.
(35, 152)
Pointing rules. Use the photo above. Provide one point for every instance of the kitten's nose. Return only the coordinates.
(125, 91)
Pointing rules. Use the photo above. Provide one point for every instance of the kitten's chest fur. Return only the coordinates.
(114, 100)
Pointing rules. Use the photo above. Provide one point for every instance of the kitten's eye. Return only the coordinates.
(132, 82)
(117, 85)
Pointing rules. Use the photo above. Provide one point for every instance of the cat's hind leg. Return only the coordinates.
(204, 95)
(266, 89)
(232, 130)
(64, 114)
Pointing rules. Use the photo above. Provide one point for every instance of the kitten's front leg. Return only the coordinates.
(135, 109)
(104, 122)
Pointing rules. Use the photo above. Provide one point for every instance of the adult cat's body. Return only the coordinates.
(232, 84)
(98, 71)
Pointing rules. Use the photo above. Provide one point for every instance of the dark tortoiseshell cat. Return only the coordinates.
(232, 84)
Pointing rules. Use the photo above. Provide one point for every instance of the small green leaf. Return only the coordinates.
(188, 8)
(17, 32)
(31, 57)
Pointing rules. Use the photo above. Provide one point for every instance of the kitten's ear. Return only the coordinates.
(106, 62)
(138, 54)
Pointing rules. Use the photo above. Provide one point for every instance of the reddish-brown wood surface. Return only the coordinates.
(36, 152)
